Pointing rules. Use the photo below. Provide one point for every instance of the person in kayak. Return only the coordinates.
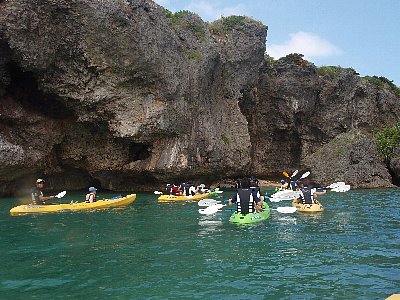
(293, 184)
(37, 194)
(307, 194)
(91, 196)
(246, 198)
(255, 188)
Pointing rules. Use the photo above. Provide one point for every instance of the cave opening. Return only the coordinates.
(138, 151)
(395, 178)
(24, 88)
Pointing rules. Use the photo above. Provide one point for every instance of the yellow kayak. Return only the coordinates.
(31, 208)
(309, 208)
(172, 198)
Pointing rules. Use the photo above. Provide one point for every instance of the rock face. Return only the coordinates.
(122, 95)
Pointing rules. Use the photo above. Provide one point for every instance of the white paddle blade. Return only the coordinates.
(157, 193)
(336, 184)
(305, 174)
(209, 210)
(294, 173)
(286, 209)
(275, 200)
(341, 189)
(207, 202)
(61, 194)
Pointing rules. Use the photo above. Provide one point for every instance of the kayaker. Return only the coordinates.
(293, 184)
(246, 198)
(255, 188)
(284, 185)
(37, 194)
(307, 194)
(175, 190)
(200, 189)
(91, 196)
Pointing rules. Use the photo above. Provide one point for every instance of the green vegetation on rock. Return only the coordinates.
(225, 139)
(333, 70)
(387, 140)
(383, 82)
(186, 20)
(228, 24)
(295, 59)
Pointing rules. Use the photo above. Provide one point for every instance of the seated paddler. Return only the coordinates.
(247, 199)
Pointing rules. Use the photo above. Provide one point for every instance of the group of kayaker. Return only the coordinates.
(185, 189)
(248, 196)
(307, 194)
(39, 199)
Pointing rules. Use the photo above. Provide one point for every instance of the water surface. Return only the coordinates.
(169, 251)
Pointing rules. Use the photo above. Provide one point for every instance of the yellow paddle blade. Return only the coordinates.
(285, 174)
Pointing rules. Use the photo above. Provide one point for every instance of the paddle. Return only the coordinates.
(294, 173)
(304, 175)
(285, 174)
(207, 202)
(60, 194)
(157, 193)
(212, 209)
(285, 209)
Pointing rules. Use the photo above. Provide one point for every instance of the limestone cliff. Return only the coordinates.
(126, 96)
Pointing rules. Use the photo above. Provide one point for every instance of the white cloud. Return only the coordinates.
(163, 3)
(210, 12)
(306, 43)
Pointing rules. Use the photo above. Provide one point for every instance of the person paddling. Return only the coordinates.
(37, 194)
(246, 198)
(307, 194)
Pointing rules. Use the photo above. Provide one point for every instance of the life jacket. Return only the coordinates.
(306, 196)
(168, 189)
(245, 201)
(292, 185)
(36, 194)
(88, 197)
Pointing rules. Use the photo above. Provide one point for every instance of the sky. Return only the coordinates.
(359, 34)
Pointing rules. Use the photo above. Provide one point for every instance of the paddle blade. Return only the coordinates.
(157, 192)
(285, 174)
(207, 202)
(286, 209)
(294, 173)
(209, 210)
(341, 188)
(305, 174)
(335, 184)
(61, 194)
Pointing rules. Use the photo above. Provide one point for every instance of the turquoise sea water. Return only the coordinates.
(169, 251)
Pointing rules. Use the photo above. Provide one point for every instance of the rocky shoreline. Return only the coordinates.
(126, 96)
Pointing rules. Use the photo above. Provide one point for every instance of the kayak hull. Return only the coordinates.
(251, 218)
(173, 198)
(99, 204)
(308, 208)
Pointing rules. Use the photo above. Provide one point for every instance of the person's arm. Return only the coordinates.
(316, 194)
(233, 200)
(45, 198)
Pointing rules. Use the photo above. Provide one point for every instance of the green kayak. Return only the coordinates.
(251, 217)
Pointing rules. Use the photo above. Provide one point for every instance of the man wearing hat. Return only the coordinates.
(91, 197)
(37, 194)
